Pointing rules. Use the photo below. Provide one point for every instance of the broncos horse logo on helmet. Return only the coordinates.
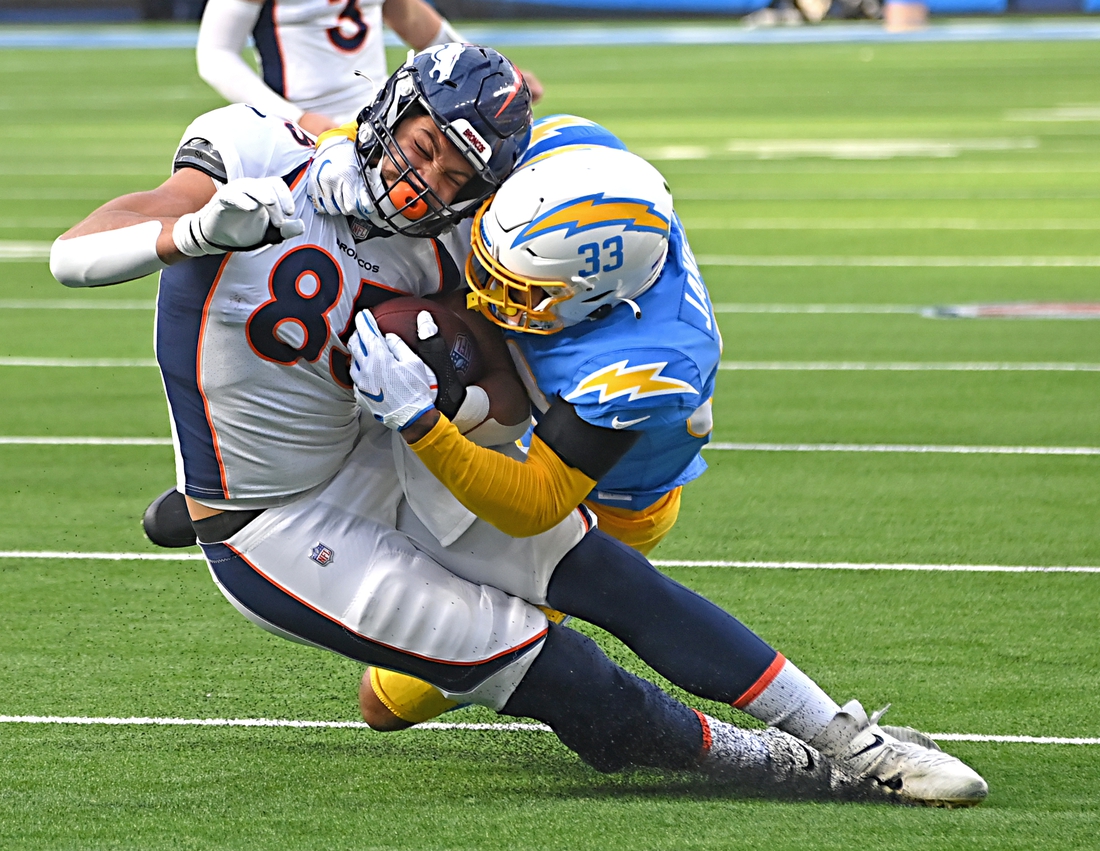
(478, 99)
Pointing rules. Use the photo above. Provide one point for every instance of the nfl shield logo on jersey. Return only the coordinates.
(322, 555)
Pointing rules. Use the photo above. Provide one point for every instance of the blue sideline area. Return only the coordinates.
(176, 36)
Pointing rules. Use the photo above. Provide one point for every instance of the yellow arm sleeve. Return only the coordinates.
(521, 498)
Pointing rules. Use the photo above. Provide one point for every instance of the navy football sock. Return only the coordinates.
(607, 716)
(678, 633)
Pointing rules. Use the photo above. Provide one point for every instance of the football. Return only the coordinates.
(398, 316)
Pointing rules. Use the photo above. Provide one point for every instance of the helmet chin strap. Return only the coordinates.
(604, 310)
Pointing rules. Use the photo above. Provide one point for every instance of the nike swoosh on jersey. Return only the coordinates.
(381, 395)
(617, 423)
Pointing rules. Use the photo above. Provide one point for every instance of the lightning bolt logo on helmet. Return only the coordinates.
(634, 382)
(596, 211)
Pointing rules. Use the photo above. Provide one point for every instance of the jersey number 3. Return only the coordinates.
(351, 30)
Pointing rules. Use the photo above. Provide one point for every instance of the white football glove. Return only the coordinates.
(395, 384)
(243, 215)
(334, 182)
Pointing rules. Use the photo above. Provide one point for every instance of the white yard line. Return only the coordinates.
(897, 261)
(85, 441)
(719, 446)
(177, 555)
(790, 366)
(191, 555)
(1084, 310)
(438, 726)
(247, 722)
(74, 304)
(842, 565)
(912, 366)
(110, 363)
(976, 310)
(903, 448)
(1092, 312)
(693, 224)
(14, 250)
(813, 308)
(837, 149)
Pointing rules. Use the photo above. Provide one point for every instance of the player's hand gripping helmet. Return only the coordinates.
(480, 102)
(567, 238)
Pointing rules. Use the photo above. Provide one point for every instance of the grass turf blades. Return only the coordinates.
(954, 653)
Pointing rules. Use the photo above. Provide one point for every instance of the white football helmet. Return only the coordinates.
(567, 238)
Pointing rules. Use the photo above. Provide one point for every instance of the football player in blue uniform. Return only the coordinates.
(620, 363)
(580, 258)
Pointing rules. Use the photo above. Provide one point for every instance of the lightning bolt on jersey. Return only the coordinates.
(310, 50)
(654, 375)
(251, 344)
(556, 134)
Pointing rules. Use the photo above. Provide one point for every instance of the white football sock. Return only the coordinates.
(786, 698)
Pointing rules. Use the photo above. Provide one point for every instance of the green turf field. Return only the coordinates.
(961, 184)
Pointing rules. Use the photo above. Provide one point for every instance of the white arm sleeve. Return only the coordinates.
(108, 257)
(223, 34)
(447, 33)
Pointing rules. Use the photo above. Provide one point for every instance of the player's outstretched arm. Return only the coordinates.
(186, 216)
(130, 236)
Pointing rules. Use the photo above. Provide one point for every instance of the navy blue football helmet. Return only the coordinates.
(483, 106)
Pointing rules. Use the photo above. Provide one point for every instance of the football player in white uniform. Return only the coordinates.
(308, 513)
(320, 60)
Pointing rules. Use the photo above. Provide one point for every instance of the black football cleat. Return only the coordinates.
(167, 523)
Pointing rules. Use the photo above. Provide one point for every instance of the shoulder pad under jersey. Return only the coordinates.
(199, 153)
(244, 142)
(618, 389)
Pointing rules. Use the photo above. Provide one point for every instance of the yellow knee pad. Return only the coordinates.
(408, 698)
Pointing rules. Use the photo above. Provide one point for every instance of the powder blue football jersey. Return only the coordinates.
(654, 375)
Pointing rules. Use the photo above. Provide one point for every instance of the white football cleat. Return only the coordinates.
(908, 734)
(773, 764)
(914, 773)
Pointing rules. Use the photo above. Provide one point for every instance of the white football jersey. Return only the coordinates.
(252, 345)
(310, 50)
